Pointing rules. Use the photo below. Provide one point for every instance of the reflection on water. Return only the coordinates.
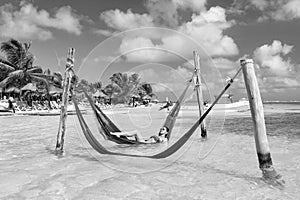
(223, 167)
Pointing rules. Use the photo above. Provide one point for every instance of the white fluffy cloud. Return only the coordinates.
(205, 28)
(122, 21)
(276, 70)
(30, 23)
(271, 57)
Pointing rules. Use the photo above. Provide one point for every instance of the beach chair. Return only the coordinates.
(23, 106)
(54, 105)
(36, 106)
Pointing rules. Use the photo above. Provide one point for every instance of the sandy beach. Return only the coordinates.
(223, 167)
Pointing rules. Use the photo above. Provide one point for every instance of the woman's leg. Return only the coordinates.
(136, 134)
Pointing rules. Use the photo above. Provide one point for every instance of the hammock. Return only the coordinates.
(169, 151)
(107, 126)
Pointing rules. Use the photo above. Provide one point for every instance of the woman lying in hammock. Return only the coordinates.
(162, 136)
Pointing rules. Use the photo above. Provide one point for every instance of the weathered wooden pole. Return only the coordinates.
(65, 95)
(257, 113)
(198, 88)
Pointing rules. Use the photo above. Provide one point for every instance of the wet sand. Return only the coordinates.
(223, 167)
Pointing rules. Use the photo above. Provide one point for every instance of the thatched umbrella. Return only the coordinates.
(29, 86)
(55, 90)
(99, 94)
(12, 90)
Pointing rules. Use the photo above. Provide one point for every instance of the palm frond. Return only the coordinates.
(6, 67)
(6, 81)
(27, 45)
(36, 69)
(15, 43)
(4, 61)
(47, 72)
(58, 75)
(17, 54)
(17, 74)
(12, 50)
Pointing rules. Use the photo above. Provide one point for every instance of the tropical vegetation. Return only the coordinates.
(17, 69)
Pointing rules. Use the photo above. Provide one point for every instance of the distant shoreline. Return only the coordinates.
(281, 102)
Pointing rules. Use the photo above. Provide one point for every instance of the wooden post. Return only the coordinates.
(257, 113)
(197, 81)
(64, 107)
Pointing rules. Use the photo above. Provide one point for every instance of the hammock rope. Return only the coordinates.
(107, 126)
(166, 153)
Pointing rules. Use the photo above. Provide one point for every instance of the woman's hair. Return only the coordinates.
(167, 129)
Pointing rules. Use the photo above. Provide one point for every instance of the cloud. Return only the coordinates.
(194, 5)
(205, 29)
(140, 49)
(164, 78)
(183, 72)
(288, 11)
(271, 58)
(280, 10)
(163, 12)
(122, 21)
(276, 71)
(30, 23)
(224, 63)
(276, 84)
(103, 32)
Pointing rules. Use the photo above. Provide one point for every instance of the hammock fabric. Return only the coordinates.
(169, 151)
(107, 126)
(102, 150)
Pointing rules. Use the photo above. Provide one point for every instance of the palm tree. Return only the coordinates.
(96, 86)
(146, 89)
(17, 66)
(54, 78)
(122, 86)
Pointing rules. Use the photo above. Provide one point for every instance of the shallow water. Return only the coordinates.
(223, 167)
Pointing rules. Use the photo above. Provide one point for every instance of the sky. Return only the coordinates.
(157, 38)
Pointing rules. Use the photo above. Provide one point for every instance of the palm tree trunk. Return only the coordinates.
(48, 98)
